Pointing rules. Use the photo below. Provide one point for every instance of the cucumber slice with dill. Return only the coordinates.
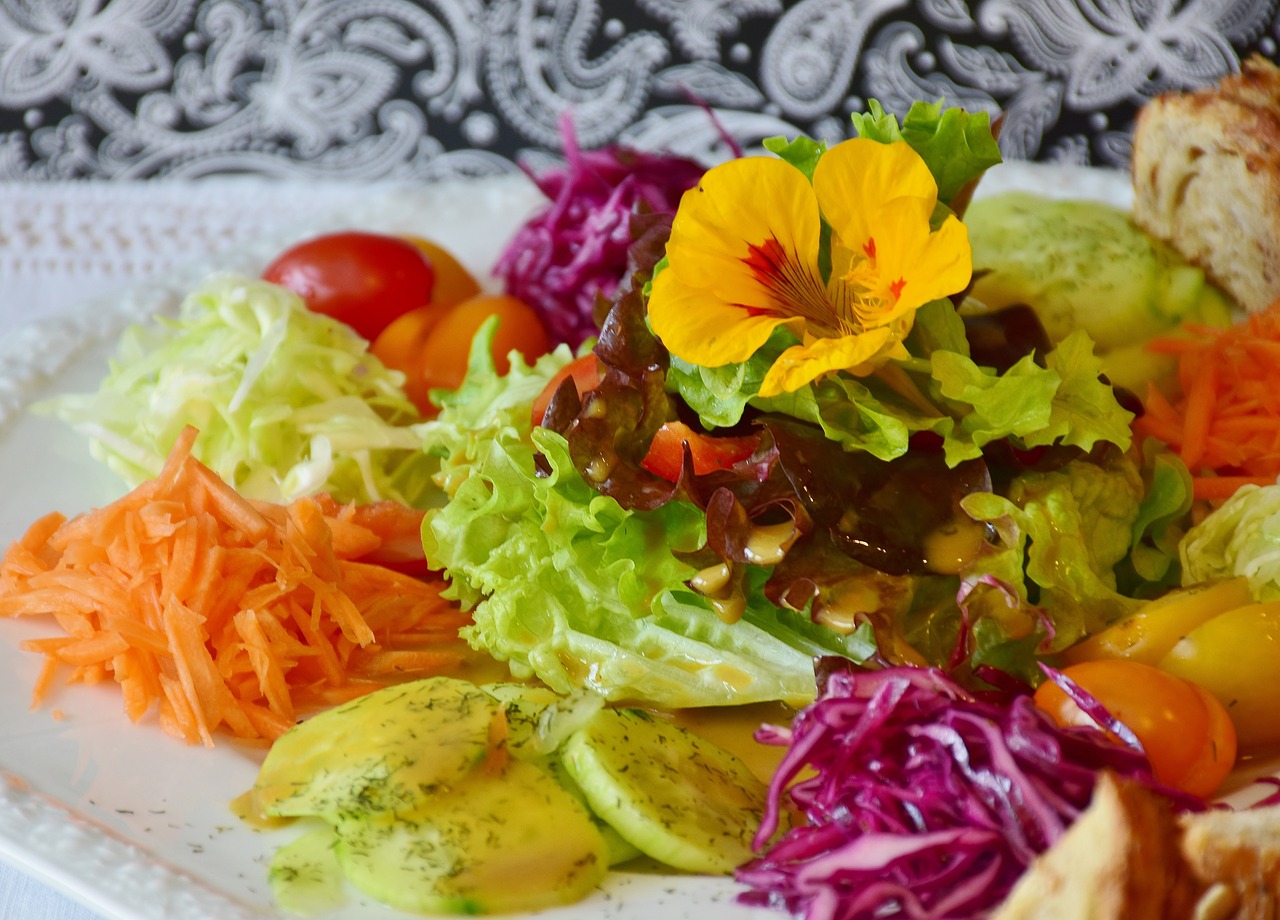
(378, 752)
(673, 795)
(492, 844)
(305, 876)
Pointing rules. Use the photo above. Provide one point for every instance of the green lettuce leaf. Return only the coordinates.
(1062, 533)
(1153, 566)
(1016, 403)
(803, 153)
(958, 146)
(1064, 402)
(1085, 410)
(287, 402)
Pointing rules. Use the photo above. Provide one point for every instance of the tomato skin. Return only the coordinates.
(453, 283)
(1187, 734)
(585, 372)
(665, 456)
(362, 279)
(1148, 634)
(444, 356)
(401, 344)
(1234, 656)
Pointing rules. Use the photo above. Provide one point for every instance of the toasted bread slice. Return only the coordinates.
(1238, 851)
(1206, 179)
(1120, 860)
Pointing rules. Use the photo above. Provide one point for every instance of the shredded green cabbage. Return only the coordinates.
(288, 402)
(1240, 537)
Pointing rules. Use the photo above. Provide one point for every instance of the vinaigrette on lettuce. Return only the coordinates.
(569, 586)
(288, 402)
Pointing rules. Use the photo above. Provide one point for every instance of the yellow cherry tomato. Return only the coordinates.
(1148, 634)
(1236, 657)
(453, 283)
(1186, 733)
(400, 346)
(445, 354)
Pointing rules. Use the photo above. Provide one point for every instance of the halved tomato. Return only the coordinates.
(665, 456)
(1187, 734)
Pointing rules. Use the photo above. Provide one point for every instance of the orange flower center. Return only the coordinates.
(869, 297)
(858, 303)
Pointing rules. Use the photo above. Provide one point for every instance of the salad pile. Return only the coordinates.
(720, 425)
(692, 527)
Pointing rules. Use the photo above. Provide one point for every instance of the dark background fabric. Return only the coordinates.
(369, 89)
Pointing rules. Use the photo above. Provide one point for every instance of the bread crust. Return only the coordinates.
(1206, 178)
(1239, 851)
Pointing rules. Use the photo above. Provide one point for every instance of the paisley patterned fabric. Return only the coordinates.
(368, 89)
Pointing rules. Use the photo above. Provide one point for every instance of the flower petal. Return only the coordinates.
(801, 364)
(928, 265)
(696, 325)
(743, 259)
(856, 178)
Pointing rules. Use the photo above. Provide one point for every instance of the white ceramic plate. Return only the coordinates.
(126, 819)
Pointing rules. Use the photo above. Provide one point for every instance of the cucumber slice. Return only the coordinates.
(512, 842)
(538, 722)
(617, 848)
(305, 876)
(378, 752)
(1084, 264)
(674, 796)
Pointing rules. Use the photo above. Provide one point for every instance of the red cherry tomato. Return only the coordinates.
(443, 362)
(362, 279)
(666, 452)
(585, 372)
(1186, 732)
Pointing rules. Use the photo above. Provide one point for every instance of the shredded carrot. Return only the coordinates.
(1225, 421)
(217, 614)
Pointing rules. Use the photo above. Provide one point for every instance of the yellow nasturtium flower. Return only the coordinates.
(743, 259)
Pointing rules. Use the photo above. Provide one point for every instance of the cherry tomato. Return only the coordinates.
(1234, 657)
(585, 372)
(453, 283)
(1187, 734)
(362, 279)
(1149, 633)
(400, 346)
(666, 452)
(445, 354)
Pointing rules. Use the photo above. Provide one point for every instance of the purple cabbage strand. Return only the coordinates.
(574, 251)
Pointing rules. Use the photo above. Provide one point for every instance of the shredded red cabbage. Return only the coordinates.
(919, 799)
(576, 248)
